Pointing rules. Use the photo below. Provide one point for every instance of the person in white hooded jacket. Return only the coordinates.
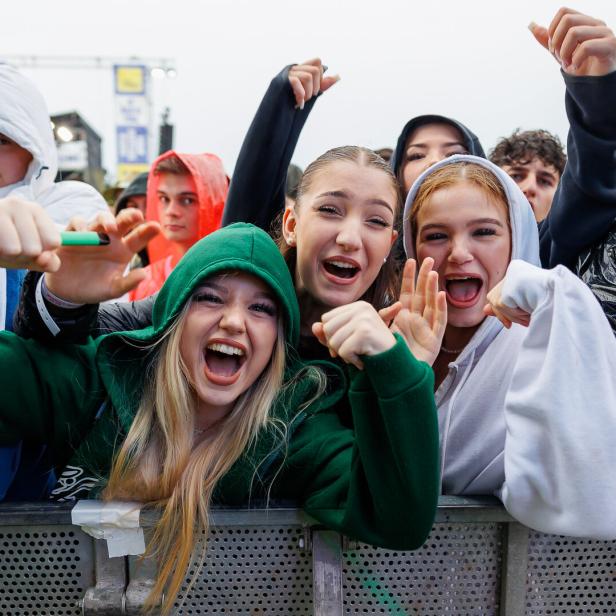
(527, 403)
(28, 167)
(29, 164)
(24, 119)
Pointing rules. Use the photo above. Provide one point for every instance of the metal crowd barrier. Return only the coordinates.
(477, 560)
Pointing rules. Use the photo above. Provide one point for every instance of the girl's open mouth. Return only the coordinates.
(341, 271)
(462, 292)
(223, 362)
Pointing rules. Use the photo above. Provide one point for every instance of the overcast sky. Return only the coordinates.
(473, 60)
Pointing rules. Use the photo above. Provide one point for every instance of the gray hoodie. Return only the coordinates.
(529, 414)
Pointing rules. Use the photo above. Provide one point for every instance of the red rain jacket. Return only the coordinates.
(212, 186)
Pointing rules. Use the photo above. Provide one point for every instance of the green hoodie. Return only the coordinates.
(377, 483)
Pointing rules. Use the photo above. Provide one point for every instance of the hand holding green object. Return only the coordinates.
(90, 275)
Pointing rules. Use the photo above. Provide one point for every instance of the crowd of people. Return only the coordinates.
(357, 338)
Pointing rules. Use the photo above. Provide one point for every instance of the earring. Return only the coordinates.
(291, 241)
(385, 260)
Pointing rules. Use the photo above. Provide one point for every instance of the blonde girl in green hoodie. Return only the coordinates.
(210, 404)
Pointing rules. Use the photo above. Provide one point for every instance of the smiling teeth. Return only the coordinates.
(342, 264)
(227, 349)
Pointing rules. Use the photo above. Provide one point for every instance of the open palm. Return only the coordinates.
(423, 316)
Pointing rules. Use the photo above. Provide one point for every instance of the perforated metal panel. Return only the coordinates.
(457, 571)
(44, 570)
(253, 570)
(570, 576)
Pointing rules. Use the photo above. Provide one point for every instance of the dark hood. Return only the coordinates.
(470, 139)
(137, 187)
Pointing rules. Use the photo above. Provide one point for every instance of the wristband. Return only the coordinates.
(55, 300)
(40, 304)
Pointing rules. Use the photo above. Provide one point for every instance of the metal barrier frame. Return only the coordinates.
(121, 589)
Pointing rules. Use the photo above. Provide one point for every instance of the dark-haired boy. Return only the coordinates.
(535, 160)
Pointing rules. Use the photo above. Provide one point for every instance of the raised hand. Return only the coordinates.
(353, 330)
(28, 236)
(307, 80)
(582, 45)
(92, 274)
(423, 315)
(507, 315)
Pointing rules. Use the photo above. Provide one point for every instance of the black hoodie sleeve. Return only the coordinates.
(77, 324)
(584, 205)
(257, 191)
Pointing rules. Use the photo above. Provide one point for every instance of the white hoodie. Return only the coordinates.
(529, 414)
(25, 120)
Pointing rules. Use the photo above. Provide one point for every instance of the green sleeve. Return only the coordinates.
(377, 482)
(49, 395)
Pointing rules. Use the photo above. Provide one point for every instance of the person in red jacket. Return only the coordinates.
(186, 194)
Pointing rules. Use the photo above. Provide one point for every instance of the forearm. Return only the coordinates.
(396, 432)
(560, 409)
(379, 482)
(585, 203)
(50, 395)
(257, 190)
(39, 318)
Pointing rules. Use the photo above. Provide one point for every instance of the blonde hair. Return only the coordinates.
(457, 173)
(160, 464)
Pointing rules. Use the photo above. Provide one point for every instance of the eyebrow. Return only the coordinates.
(186, 192)
(545, 173)
(548, 174)
(475, 221)
(449, 144)
(222, 289)
(269, 296)
(341, 194)
(212, 285)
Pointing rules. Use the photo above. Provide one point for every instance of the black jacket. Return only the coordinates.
(257, 190)
(584, 205)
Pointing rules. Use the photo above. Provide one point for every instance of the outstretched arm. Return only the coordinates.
(585, 203)
(40, 318)
(257, 191)
(377, 482)
(65, 308)
(50, 395)
(560, 408)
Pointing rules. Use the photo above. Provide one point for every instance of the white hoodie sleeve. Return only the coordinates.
(560, 410)
(64, 200)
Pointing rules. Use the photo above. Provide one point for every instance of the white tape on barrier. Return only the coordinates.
(117, 522)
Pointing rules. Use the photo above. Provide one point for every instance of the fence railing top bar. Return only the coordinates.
(42, 512)
(245, 517)
(451, 509)
(471, 509)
